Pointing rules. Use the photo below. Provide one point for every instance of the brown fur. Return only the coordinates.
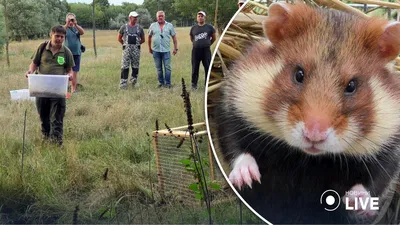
(332, 55)
(262, 108)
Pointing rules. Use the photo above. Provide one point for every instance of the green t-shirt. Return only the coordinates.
(161, 39)
(56, 64)
(72, 41)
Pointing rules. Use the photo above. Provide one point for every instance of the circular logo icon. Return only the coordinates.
(330, 200)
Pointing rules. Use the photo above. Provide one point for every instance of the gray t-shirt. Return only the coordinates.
(131, 34)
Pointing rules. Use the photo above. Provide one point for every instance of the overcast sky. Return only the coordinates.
(112, 2)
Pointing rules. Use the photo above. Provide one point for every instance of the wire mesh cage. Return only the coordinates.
(171, 147)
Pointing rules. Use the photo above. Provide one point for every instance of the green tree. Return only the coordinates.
(144, 17)
(5, 5)
(189, 9)
(102, 3)
(83, 13)
(54, 11)
(112, 12)
(129, 7)
(165, 5)
(19, 25)
(65, 3)
(2, 31)
(33, 18)
(118, 21)
(102, 22)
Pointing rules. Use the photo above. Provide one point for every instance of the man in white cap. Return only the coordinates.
(131, 36)
(202, 36)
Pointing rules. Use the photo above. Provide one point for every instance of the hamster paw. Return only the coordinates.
(245, 170)
(360, 194)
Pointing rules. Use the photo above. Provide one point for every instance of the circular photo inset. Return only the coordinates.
(303, 108)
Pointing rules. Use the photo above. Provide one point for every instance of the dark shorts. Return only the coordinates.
(77, 59)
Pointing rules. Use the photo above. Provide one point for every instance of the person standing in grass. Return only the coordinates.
(53, 58)
(202, 36)
(72, 41)
(131, 36)
(160, 34)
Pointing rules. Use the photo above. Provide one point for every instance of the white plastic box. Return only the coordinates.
(50, 86)
(22, 94)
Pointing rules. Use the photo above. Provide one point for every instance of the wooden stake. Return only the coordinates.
(159, 171)
(210, 155)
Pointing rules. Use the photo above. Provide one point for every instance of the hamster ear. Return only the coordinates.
(275, 24)
(286, 20)
(389, 41)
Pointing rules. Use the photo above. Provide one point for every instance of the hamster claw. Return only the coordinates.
(244, 171)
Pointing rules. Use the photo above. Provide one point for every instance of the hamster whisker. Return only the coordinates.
(352, 154)
(380, 165)
(259, 136)
(369, 172)
(233, 133)
(356, 134)
(373, 159)
(268, 146)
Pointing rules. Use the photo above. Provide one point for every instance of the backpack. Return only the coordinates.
(41, 51)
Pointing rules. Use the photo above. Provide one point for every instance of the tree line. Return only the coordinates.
(31, 19)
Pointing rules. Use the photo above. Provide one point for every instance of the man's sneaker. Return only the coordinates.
(194, 87)
(160, 85)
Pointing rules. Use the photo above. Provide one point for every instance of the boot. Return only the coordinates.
(123, 84)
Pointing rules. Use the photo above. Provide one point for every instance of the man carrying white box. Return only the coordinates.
(53, 58)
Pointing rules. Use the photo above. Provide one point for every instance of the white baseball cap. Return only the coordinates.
(134, 14)
(202, 12)
(241, 1)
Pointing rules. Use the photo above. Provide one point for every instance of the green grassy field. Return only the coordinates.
(104, 127)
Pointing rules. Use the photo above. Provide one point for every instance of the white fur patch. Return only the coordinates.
(349, 139)
(332, 143)
(250, 84)
(387, 118)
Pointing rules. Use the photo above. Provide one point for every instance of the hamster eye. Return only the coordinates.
(299, 75)
(351, 87)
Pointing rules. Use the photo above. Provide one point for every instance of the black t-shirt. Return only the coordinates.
(201, 35)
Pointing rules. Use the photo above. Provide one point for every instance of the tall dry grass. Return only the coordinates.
(104, 128)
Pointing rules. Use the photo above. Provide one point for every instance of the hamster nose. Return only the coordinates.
(315, 131)
(315, 136)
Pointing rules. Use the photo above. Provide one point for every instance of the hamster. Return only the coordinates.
(314, 108)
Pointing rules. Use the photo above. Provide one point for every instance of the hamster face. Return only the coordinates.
(324, 83)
